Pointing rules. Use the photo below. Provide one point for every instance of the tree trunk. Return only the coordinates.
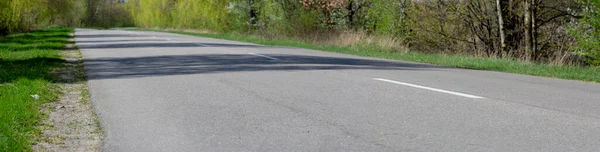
(95, 15)
(533, 34)
(501, 26)
(528, 31)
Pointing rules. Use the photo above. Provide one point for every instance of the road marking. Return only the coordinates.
(264, 56)
(431, 89)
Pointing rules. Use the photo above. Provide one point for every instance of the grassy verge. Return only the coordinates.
(467, 62)
(27, 62)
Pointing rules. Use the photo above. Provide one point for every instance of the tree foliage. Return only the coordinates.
(24, 15)
(276, 16)
(107, 13)
(588, 32)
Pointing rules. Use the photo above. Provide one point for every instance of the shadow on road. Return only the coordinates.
(121, 41)
(104, 36)
(132, 67)
(109, 68)
(164, 44)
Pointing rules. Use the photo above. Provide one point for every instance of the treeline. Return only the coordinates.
(25, 15)
(106, 14)
(537, 30)
(546, 31)
(543, 31)
(275, 16)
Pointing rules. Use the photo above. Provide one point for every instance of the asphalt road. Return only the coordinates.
(167, 92)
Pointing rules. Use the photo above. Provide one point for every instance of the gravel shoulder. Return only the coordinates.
(71, 123)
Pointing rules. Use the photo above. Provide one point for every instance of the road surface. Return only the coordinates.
(167, 92)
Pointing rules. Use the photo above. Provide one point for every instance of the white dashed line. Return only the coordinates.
(264, 56)
(428, 88)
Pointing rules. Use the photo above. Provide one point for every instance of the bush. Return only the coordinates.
(588, 33)
(25, 15)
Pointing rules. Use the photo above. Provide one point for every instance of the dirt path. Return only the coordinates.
(72, 124)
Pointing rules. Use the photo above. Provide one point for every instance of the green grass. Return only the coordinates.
(458, 61)
(26, 65)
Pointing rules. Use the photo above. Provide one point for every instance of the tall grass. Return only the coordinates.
(26, 65)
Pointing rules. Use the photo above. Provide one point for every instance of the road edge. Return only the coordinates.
(71, 123)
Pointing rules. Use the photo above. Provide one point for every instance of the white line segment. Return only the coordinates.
(264, 56)
(431, 89)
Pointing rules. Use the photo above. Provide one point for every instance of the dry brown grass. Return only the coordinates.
(345, 38)
(202, 31)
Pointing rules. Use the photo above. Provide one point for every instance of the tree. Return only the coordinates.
(499, 9)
